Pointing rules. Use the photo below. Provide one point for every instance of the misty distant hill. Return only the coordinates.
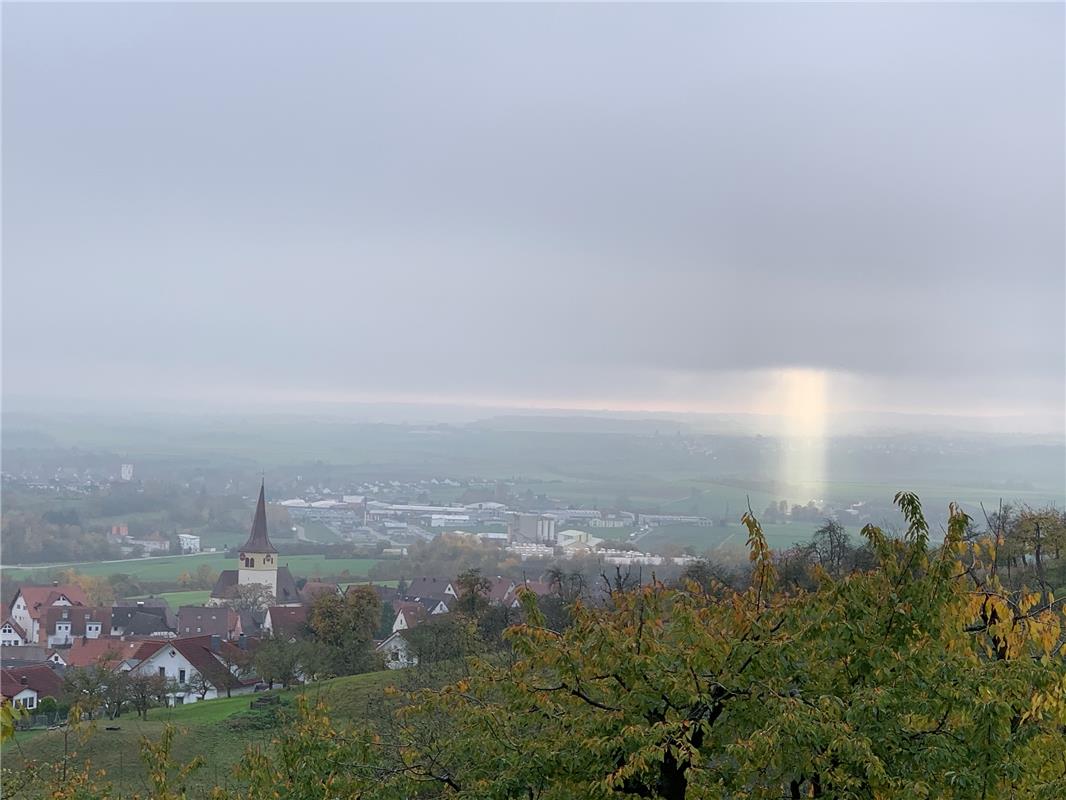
(580, 424)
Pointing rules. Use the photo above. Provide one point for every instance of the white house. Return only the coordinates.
(31, 603)
(21, 696)
(397, 652)
(189, 543)
(184, 660)
(24, 686)
(12, 634)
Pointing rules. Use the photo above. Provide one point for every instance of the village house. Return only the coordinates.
(150, 544)
(64, 624)
(286, 622)
(151, 617)
(431, 587)
(183, 661)
(28, 654)
(397, 652)
(30, 603)
(104, 652)
(209, 621)
(189, 543)
(12, 634)
(24, 687)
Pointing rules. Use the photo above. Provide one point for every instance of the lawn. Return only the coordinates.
(196, 597)
(205, 729)
(168, 568)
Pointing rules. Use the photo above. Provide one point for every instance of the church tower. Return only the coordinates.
(258, 557)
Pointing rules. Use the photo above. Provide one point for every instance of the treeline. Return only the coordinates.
(42, 528)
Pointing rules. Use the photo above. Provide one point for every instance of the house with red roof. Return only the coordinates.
(31, 603)
(61, 625)
(12, 634)
(184, 660)
(286, 622)
(209, 621)
(23, 687)
(104, 651)
(408, 614)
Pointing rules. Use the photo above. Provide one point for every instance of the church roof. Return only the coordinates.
(258, 541)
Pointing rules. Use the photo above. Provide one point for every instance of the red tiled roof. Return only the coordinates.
(40, 597)
(501, 590)
(287, 620)
(216, 620)
(39, 677)
(197, 651)
(413, 613)
(106, 651)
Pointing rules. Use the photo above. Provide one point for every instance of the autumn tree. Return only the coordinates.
(144, 692)
(473, 590)
(204, 577)
(277, 661)
(239, 666)
(343, 629)
(249, 597)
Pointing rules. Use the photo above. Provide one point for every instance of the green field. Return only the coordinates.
(170, 567)
(196, 597)
(729, 539)
(317, 532)
(204, 730)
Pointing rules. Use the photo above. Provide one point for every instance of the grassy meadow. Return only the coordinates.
(168, 568)
(211, 729)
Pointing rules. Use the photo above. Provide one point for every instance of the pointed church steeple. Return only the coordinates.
(258, 541)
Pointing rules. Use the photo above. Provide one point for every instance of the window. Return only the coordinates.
(162, 672)
(198, 630)
(30, 702)
(181, 676)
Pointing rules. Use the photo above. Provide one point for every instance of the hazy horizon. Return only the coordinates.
(799, 210)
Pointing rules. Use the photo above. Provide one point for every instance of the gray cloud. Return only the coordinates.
(587, 203)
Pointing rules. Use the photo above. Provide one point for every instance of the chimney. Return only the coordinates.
(242, 642)
(216, 642)
(24, 681)
(55, 583)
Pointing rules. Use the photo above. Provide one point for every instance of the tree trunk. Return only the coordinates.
(673, 778)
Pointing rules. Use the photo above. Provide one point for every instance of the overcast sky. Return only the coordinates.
(587, 206)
